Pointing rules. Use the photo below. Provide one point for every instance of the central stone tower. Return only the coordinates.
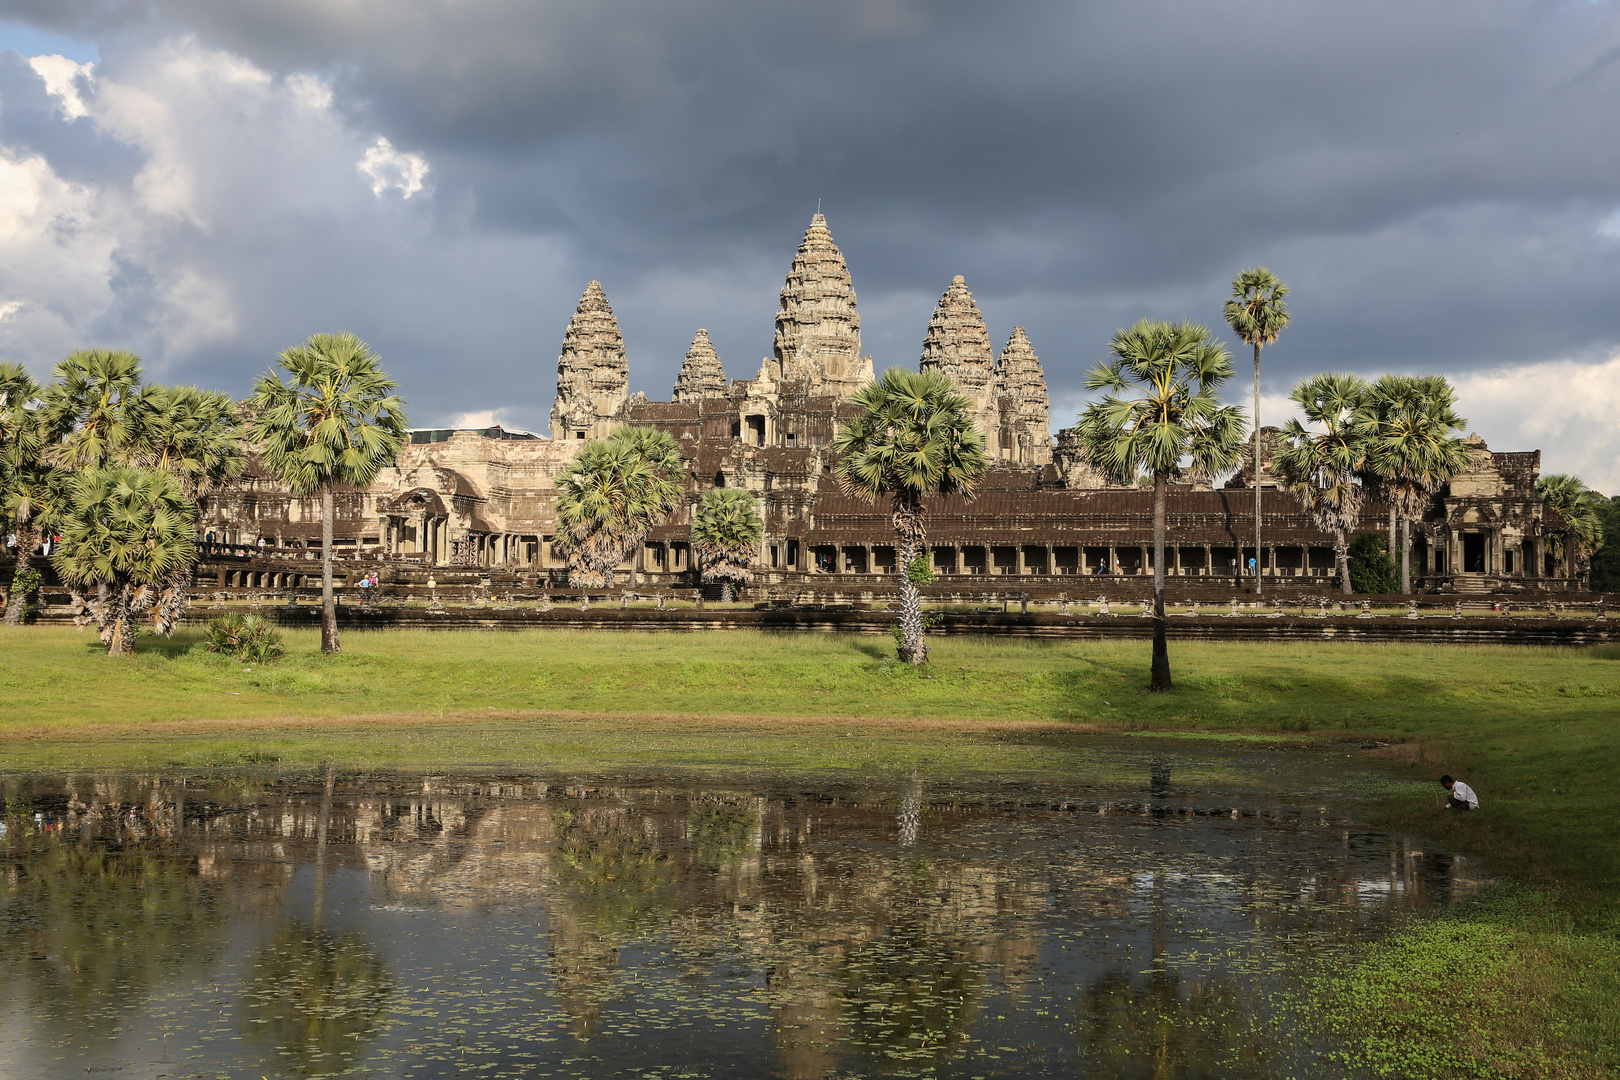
(958, 346)
(818, 332)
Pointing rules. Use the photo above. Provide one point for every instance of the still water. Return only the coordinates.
(1139, 915)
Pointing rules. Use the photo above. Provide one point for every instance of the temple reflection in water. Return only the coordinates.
(391, 924)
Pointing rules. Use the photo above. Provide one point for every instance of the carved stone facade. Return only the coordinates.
(487, 497)
(702, 375)
(593, 373)
(818, 331)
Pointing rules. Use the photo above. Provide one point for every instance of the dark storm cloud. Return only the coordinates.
(1430, 178)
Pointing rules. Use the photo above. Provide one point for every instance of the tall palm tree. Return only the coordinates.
(913, 437)
(725, 536)
(1582, 508)
(617, 491)
(26, 483)
(1162, 418)
(94, 410)
(1257, 313)
(336, 421)
(1414, 449)
(1320, 466)
(134, 531)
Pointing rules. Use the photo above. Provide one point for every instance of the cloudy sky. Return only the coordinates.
(209, 181)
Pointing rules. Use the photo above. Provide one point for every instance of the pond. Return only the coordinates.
(1141, 909)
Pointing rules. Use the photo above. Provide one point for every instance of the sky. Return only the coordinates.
(207, 182)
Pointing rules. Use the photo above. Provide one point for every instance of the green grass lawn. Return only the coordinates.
(1533, 730)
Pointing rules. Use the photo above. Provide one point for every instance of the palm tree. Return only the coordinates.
(1414, 449)
(194, 434)
(617, 491)
(1581, 507)
(94, 410)
(725, 536)
(1170, 423)
(337, 421)
(134, 531)
(26, 483)
(912, 437)
(1257, 313)
(1320, 467)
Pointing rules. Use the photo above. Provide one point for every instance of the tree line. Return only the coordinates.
(117, 470)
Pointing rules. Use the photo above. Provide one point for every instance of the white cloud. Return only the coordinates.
(1609, 227)
(1565, 408)
(61, 77)
(229, 163)
(483, 418)
(391, 168)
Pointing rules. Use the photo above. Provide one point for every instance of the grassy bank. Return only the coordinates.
(1534, 730)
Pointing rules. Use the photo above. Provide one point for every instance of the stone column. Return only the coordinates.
(1020, 567)
(1142, 567)
(1112, 558)
(1209, 561)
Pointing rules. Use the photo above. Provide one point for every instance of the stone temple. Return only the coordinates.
(486, 498)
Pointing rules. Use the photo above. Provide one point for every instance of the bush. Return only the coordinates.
(1371, 569)
(25, 585)
(244, 637)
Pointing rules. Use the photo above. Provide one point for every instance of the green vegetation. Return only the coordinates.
(1257, 314)
(913, 437)
(244, 637)
(1371, 568)
(335, 422)
(725, 536)
(1520, 985)
(1169, 421)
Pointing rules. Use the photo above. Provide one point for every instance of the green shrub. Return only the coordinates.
(25, 585)
(244, 637)
(1371, 568)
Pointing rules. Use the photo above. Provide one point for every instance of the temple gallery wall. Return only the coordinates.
(486, 498)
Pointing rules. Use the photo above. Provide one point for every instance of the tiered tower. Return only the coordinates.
(593, 374)
(818, 331)
(702, 375)
(1023, 403)
(958, 346)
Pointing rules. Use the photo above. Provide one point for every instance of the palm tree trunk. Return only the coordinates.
(1341, 555)
(27, 537)
(1406, 554)
(318, 897)
(1258, 586)
(1160, 683)
(909, 527)
(122, 641)
(329, 631)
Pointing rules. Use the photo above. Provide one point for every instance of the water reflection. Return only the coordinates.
(410, 925)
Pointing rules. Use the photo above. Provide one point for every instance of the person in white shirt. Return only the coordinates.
(1462, 796)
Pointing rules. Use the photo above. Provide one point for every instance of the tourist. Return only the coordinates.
(1462, 796)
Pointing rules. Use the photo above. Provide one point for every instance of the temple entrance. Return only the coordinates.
(1473, 553)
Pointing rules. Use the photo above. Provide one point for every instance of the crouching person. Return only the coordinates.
(1462, 796)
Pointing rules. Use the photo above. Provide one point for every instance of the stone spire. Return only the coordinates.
(958, 347)
(818, 332)
(593, 375)
(701, 375)
(1023, 402)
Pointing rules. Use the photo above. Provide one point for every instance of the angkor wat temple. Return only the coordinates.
(485, 498)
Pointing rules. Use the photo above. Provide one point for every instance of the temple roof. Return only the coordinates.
(957, 343)
(818, 331)
(702, 375)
